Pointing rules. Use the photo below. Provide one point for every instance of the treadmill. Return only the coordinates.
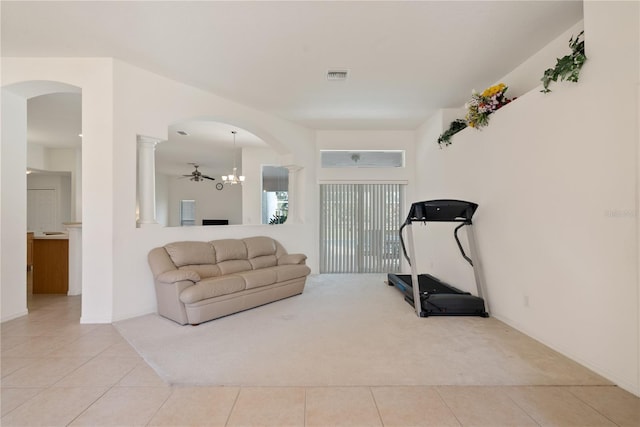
(433, 297)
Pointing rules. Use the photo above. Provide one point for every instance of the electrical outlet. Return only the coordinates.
(525, 300)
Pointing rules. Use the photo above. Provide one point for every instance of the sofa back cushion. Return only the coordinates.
(189, 253)
(260, 246)
(261, 251)
(229, 249)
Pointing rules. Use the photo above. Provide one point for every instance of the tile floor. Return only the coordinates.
(57, 372)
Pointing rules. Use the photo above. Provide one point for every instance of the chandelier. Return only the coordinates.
(233, 178)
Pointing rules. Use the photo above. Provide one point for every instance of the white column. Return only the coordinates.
(13, 209)
(294, 209)
(75, 257)
(147, 181)
(76, 185)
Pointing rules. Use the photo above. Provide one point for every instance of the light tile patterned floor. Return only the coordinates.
(57, 372)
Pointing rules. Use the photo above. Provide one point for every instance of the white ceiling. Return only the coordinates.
(405, 58)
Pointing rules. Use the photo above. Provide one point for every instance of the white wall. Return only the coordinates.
(36, 156)
(120, 102)
(36, 76)
(13, 216)
(146, 104)
(61, 159)
(562, 152)
(527, 75)
(555, 177)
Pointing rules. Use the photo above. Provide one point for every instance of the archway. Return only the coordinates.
(15, 100)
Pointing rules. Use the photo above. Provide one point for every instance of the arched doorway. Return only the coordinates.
(53, 171)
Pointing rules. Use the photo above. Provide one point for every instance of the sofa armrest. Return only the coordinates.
(292, 259)
(178, 276)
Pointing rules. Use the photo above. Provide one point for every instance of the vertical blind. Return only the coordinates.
(359, 228)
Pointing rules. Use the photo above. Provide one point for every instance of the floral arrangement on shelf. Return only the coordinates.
(478, 108)
(568, 67)
(483, 104)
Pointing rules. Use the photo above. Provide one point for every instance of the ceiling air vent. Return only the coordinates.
(334, 75)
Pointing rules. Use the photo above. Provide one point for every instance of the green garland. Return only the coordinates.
(568, 67)
(456, 126)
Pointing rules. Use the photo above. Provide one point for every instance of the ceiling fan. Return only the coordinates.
(196, 175)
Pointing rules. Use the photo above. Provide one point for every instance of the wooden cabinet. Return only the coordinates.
(50, 266)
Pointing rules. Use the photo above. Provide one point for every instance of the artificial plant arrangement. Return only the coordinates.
(456, 126)
(483, 104)
(568, 67)
(478, 108)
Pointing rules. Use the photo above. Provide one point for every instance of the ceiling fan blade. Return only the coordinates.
(208, 177)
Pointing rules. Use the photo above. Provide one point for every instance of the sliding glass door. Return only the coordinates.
(359, 228)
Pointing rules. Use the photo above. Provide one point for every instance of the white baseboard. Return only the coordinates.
(14, 316)
(94, 320)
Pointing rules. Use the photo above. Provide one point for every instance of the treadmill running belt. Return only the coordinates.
(438, 298)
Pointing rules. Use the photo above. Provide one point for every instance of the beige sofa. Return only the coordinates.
(200, 281)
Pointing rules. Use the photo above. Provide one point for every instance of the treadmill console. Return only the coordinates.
(442, 210)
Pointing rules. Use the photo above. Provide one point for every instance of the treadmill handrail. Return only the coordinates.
(464, 255)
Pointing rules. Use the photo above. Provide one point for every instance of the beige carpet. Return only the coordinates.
(347, 330)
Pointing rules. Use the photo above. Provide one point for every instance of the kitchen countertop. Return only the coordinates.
(51, 236)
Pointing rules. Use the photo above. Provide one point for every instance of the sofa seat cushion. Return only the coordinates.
(211, 288)
(289, 272)
(257, 278)
(234, 266)
(203, 270)
(178, 276)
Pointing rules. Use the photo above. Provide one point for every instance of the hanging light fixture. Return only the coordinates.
(233, 178)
